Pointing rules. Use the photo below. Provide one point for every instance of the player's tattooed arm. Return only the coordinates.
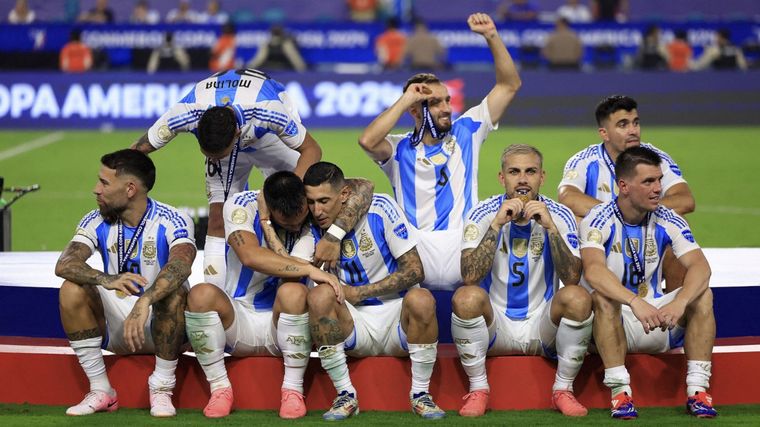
(143, 145)
(477, 262)
(176, 270)
(72, 266)
(273, 240)
(568, 266)
(409, 273)
(357, 205)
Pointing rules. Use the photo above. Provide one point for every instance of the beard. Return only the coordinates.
(111, 214)
(443, 128)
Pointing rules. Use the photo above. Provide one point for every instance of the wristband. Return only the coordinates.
(266, 221)
(336, 232)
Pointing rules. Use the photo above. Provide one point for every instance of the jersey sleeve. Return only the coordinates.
(591, 235)
(388, 165)
(400, 236)
(478, 221)
(182, 117)
(482, 115)
(678, 230)
(86, 232)
(276, 117)
(305, 246)
(574, 173)
(239, 213)
(179, 229)
(671, 174)
(565, 221)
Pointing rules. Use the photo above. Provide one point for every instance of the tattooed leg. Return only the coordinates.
(329, 322)
(168, 326)
(81, 310)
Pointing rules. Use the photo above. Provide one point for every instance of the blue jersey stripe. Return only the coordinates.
(377, 227)
(102, 233)
(264, 300)
(227, 91)
(270, 91)
(162, 247)
(592, 175)
(548, 269)
(407, 158)
(444, 199)
(246, 274)
(519, 274)
(631, 232)
(467, 158)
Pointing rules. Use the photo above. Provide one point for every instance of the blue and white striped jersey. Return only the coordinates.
(369, 251)
(601, 229)
(165, 227)
(588, 172)
(523, 274)
(241, 212)
(437, 185)
(264, 113)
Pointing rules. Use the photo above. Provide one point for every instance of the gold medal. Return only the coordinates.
(643, 289)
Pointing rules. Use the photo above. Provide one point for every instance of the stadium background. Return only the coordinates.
(54, 127)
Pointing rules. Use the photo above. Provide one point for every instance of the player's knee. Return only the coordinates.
(72, 296)
(292, 296)
(201, 297)
(576, 301)
(468, 299)
(702, 304)
(320, 298)
(419, 302)
(603, 306)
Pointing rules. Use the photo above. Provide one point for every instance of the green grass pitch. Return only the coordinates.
(720, 164)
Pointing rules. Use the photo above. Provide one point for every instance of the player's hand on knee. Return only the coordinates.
(647, 314)
(129, 283)
(322, 277)
(671, 313)
(134, 325)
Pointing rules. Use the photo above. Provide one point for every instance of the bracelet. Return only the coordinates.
(634, 297)
(266, 221)
(336, 232)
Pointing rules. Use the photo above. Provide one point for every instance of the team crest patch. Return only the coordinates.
(572, 238)
(688, 236)
(164, 133)
(291, 129)
(449, 146)
(519, 247)
(348, 250)
(471, 232)
(595, 236)
(365, 244)
(632, 241)
(239, 216)
(149, 250)
(401, 231)
(571, 174)
(225, 100)
(650, 249)
(536, 246)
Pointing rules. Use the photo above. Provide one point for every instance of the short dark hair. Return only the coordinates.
(284, 193)
(216, 129)
(132, 162)
(322, 172)
(421, 78)
(626, 163)
(611, 104)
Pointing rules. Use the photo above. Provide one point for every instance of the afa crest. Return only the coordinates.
(348, 249)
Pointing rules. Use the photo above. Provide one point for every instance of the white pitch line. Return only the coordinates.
(31, 145)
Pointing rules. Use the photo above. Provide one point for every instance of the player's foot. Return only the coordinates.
(95, 401)
(292, 405)
(161, 404)
(565, 402)
(700, 405)
(220, 403)
(344, 406)
(423, 405)
(622, 407)
(475, 404)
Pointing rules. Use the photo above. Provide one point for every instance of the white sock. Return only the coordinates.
(618, 380)
(333, 359)
(163, 379)
(471, 339)
(698, 374)
(294, 340)
(423, 359)
(572, 341)
(214, 262)
(207, 337)
(91, 358)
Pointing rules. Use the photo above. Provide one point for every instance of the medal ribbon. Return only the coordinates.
(230, 170)
(610, 166)
(427, 125)
(122, 255)
(638, 266)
